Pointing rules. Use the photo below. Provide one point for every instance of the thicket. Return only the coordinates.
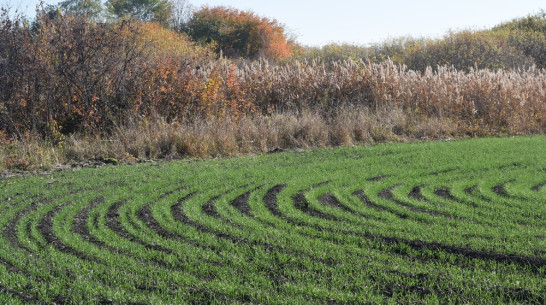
(238, 33)
(520, 43)
(66, 74)
(66, 77)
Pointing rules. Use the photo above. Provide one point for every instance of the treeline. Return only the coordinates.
(85, 71)
(520, 43)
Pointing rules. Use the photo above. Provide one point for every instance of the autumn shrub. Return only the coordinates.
(238, 33)
(527, 34)
(394, 49)
(519, 43)
(467, 49)
(68, 74)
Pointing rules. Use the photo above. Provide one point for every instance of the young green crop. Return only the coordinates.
(436, 222)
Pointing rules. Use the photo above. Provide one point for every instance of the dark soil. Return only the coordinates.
(535, 263)
(270, 200)
(537, 187)
(302, 204)
(415, 193)
(445, 192)
(241, 204)
(209, 207)
(80, 225)
(328, 199)
(145, 215)
(367, 202)
(10, 231)
(499, 190)
(45, 226)
(176, 211)
(112, 222)
(470, 190)
(23, 296)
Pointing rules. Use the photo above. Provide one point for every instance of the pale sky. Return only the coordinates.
(318, 22)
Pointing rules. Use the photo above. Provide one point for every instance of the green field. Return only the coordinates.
(438, 222)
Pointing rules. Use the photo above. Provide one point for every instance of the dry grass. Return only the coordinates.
(511, 101)
(157, 139)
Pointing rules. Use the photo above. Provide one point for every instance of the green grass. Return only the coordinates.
(437, 222)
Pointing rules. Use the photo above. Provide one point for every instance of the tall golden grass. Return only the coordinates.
(512, 101)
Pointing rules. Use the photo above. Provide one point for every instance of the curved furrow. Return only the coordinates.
(270, 200)
(496, 200)
(444, 193)
(145, 215)
(241, 204)
(535, 263)
(10, 231)
(301, 203)
(392, 288)
(270, 272)
(330, 200)
(538, 187)
(46, 228)
(506, 191)
(178, 215)
(80, 225)
(23, 296)
(499, 189)
(415, 193)
(267, 246)
(209, 208)
(267, 271)
(36, 201)
(397, 289)
(80, 228)
(386, 194)
(394, 227)
(14, 201)
(369, 204)
(428, 247)
(114, 224)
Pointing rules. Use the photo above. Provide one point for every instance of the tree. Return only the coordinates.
(145, 10)
(527, 34)
(238, 33)
(181, 11)
(92, 9)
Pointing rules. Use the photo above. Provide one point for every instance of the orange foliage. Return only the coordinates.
(239, 33)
